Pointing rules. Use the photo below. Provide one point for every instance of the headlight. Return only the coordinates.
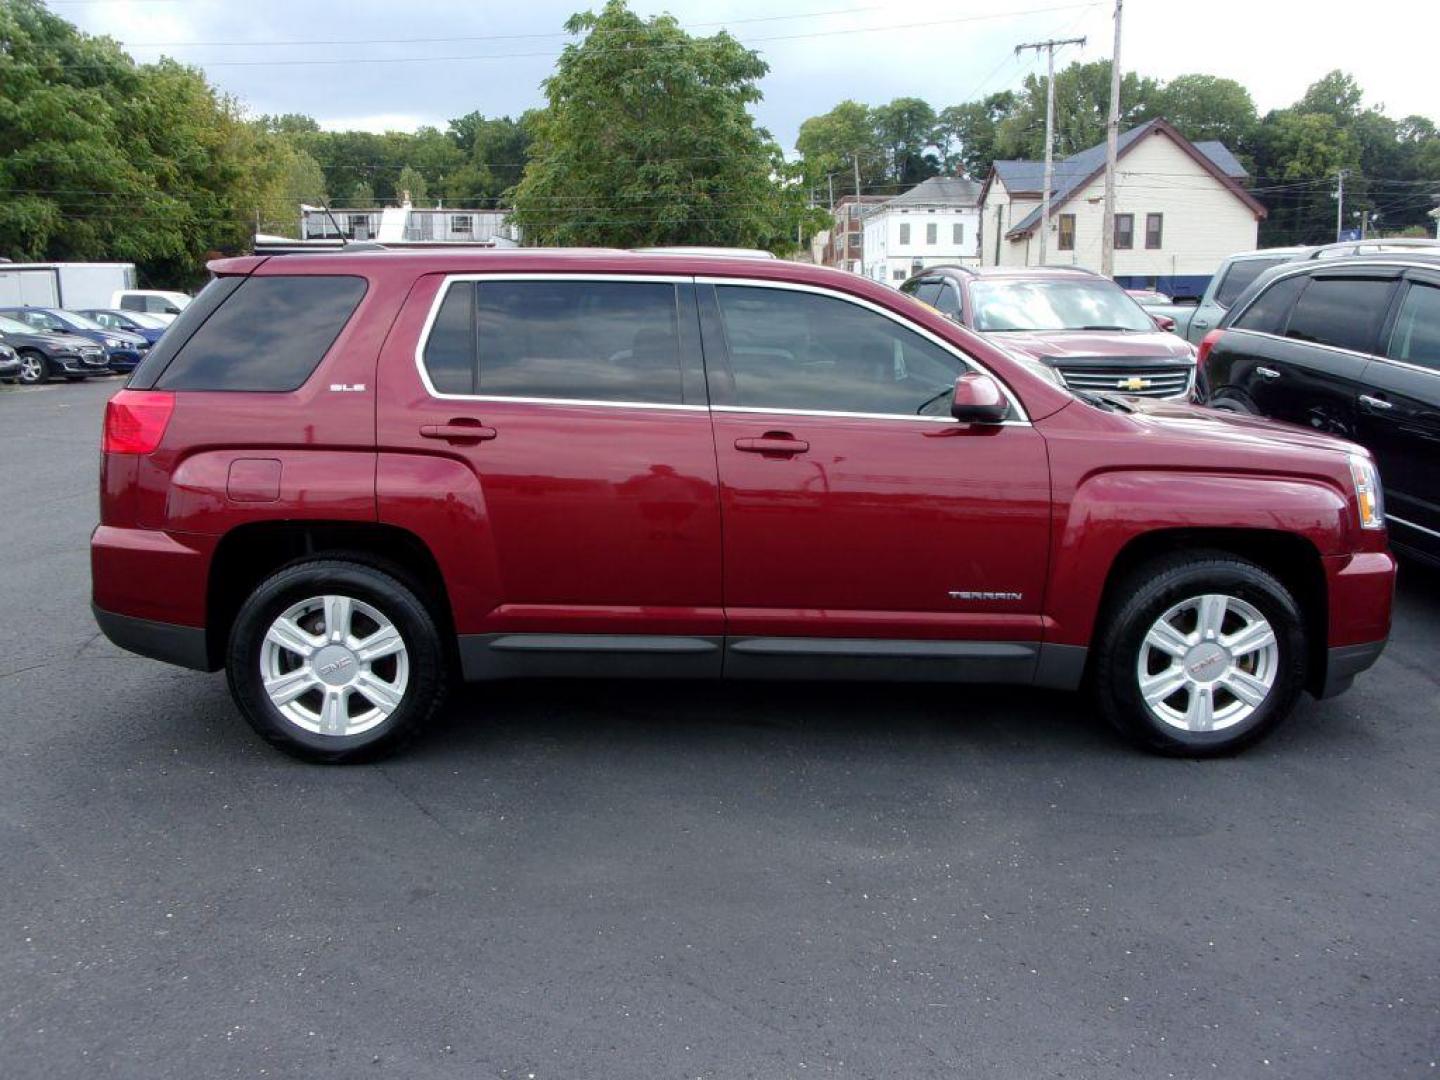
(112, 343)
(1367, 492)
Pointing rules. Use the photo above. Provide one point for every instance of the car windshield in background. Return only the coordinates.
(1055, 305)
(83, 322)
(1242, 273)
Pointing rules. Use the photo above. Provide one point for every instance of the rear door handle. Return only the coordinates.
(1379, 404)
(1267, 373)
(778, 443)
(461, 429)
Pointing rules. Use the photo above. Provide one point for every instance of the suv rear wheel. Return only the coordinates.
(1205, 657)
(333, 660)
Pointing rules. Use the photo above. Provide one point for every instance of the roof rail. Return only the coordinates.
(1372, 246)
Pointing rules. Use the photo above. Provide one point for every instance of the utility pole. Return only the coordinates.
(857, 173)
(1112, 139)
(830, 179)
(1339, 203)
(1049, 47)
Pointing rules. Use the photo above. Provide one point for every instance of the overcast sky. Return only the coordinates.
(378, 76)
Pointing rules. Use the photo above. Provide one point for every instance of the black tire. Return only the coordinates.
(1234, 403)
(1152, 590)
(44, 370)
(425, 655)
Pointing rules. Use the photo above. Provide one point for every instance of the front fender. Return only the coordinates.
(1109, 510)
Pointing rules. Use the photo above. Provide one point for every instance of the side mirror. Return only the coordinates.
(1164, 322)
(978, 400)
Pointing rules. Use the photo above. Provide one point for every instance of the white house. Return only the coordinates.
(1180, 208)
(937, 221)
(407, 224)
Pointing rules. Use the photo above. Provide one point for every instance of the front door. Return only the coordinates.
(1399, 409)
(863, 527)
(572, 414)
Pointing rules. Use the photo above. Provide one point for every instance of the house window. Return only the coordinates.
(1067, 232)
(957, 233)
(1154, 230)
(932, 233)
(1124, 232)
(460, 223)
(855, 241)
(905, 233)
(898, 275)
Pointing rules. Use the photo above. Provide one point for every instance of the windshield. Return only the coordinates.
(141, 318)
(1055, 305)
(81, 321)
(10, 326)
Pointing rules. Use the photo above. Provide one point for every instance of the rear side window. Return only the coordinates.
(1272, 307)
(1343, 312)
(949, 301)
(1416, 336)
(269, 335)
(1241, 273)
(577, 340)
(929, 291)
(132, 303)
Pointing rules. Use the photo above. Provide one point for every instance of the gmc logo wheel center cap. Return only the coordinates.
(334, 665)
(1206, 662)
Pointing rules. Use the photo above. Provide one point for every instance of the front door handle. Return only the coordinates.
(1379, 404)
(1267, 373)
(777, 443)
(462, 429)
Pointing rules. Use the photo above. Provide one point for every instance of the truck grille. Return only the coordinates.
(1156, 382)
(94, 357)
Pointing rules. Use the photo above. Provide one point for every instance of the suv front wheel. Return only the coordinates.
(333, 660)
(1205, 657)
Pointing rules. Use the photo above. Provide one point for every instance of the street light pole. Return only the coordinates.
(1049, 47)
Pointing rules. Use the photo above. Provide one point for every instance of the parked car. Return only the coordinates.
(150, 327)
(123, 349)
(161, 303)
(1147, 298)
(1083, 327)
(45, 355)
(344, 477)
(1349, 346)
(1194, 321)
(9, 365)
(1375, 245)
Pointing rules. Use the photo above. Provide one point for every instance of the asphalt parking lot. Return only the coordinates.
(591, 880)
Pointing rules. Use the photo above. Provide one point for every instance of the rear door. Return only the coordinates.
(862, 525)
(555, 430)
(1399, 410)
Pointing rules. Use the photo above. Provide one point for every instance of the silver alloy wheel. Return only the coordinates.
(32, 368)
(1208, 663)
(334, 665)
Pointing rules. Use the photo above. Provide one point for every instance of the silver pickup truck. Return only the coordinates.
(1194, 321)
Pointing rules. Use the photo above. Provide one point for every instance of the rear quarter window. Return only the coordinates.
(269, 334)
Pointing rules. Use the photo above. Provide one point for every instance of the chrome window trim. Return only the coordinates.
(450, 279)
(1302, 341)
(1022, 419)
(1411, 525)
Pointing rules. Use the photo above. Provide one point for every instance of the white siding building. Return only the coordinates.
(406, 224)
(935, 222)
(1179, 206)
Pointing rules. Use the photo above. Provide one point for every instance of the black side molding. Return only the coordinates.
(1344, 662)
(182, 645)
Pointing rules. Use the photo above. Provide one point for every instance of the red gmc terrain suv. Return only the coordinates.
(349, 478)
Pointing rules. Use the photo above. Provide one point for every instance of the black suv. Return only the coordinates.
(1349, 346)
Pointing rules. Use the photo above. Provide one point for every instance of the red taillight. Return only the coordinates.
(1206, 344)
(135, 421)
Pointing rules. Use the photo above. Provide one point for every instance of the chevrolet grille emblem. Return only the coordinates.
(1133, 383)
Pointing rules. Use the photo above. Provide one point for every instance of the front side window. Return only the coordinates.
(1343, 312)
(37, 320)
(268, 334)
(1067, 232)
(1154, 231)
(1271, 309)
(799, 350)
(928, 291)
(1415, 338)
(576, 340)
(1124, 232)
(948, 303)
(1083, 304)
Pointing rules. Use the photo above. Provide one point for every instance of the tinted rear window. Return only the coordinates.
(1343, 312)
(586, 340)
(1271, 308)
(269, 335)
(1241, 273)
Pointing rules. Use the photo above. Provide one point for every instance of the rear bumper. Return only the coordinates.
(182, 645)
(1344, 662)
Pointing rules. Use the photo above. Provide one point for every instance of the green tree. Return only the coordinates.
(905, 129)
(830, 145)
(285, 177)
(1208, 107)
(411, 183)
(1298, 154)
(967, 133)
(495, 152)
(1082, 107)
(647, 139)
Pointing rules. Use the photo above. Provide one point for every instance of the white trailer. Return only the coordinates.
(63, 285)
